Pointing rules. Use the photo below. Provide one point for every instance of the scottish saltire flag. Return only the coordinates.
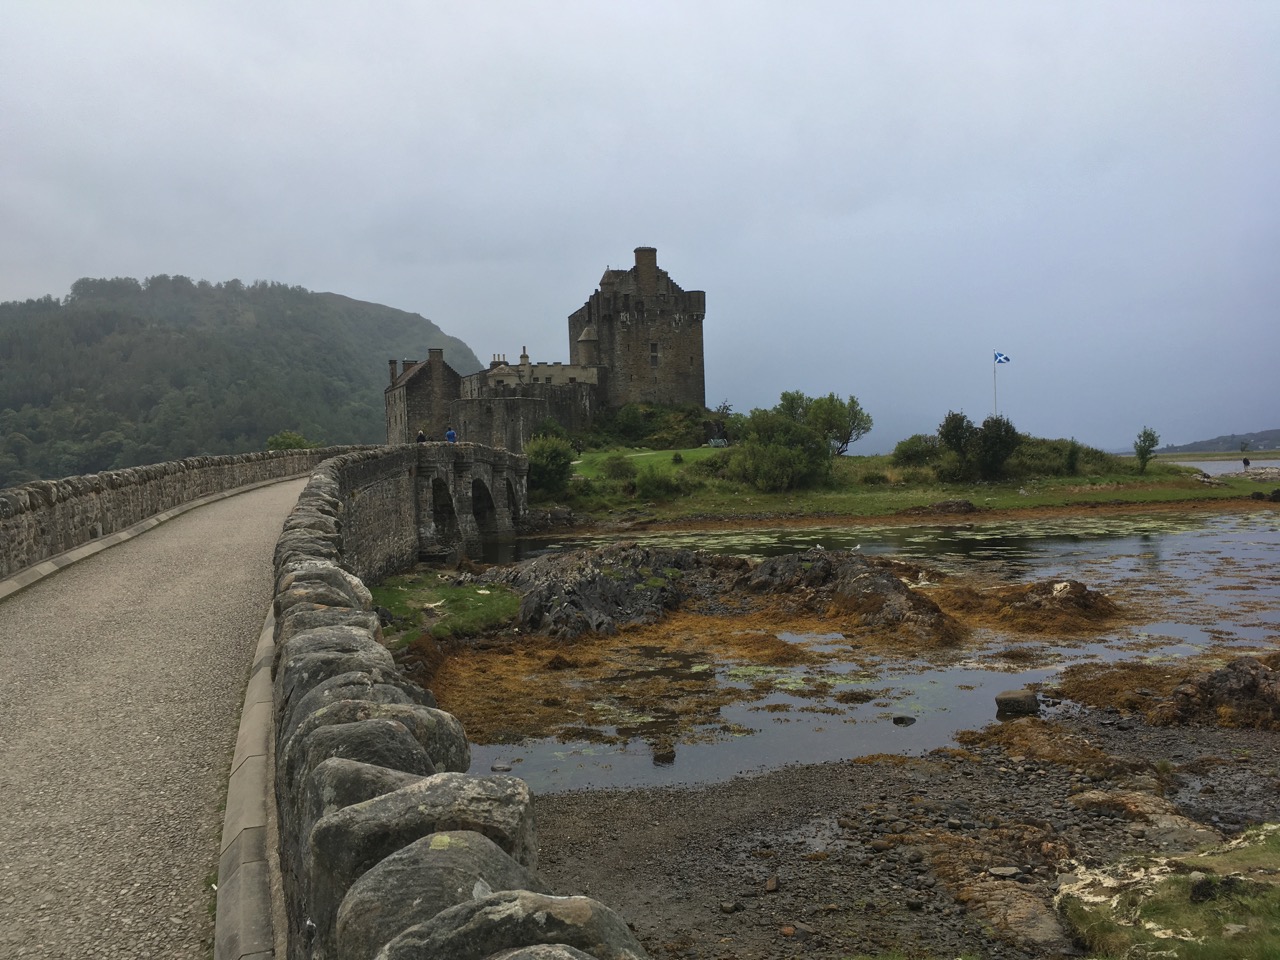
(1001, 358)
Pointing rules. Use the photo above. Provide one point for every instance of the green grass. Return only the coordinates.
(424, 601)
(1231, 912)
(872, 486)
(589, 465)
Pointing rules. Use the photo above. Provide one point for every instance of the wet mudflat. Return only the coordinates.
(702, 699)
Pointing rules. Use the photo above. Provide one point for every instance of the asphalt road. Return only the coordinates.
(121, 681)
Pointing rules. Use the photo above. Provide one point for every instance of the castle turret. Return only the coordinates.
(647, 270)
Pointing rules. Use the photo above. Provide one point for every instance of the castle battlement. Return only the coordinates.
(637, 339)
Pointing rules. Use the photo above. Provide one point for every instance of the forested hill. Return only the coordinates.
(1234, 442)
(121, 373)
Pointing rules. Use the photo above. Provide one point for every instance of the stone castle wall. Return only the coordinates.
(44, 518)
(388, 846)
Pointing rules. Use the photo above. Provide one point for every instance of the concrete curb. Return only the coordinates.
(244, 928)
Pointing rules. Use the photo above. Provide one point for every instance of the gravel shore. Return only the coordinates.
(941, 856)
(119, 702)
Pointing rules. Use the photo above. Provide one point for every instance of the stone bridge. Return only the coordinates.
(437, 496)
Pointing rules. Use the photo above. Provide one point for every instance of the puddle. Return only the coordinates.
(684, 711)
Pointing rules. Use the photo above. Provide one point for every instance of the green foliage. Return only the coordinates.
(654, 484)
(997, 439)
(618, 466)
(957, 433)
(550, 465)
(121, 373)
(970, 452)
(917, 450)
(425, 601)
(289, 440)
(1144, 447)
(1037, 457)
(842, 422)
(550, 427)
(775, 452)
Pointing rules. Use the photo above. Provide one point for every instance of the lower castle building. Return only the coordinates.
(637, 339)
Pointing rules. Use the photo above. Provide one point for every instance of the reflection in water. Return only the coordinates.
(1211, 577)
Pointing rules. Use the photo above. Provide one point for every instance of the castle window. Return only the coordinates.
(535, 379)
(653, 354)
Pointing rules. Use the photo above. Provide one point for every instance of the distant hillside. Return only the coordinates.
(1262, 440)
(120, 373)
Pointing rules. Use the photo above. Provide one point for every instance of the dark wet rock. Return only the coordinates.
(516, 918)
(602, 589)
(1017, 703)
(415, 883)
(1246, 693)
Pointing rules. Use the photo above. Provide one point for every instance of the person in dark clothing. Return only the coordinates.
(422, 437)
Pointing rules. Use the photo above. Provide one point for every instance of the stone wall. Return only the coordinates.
(44, 518)
(389, 848)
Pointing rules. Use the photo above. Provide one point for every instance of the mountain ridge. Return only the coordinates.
(122, 372)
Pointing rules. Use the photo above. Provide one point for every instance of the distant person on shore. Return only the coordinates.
(449, 435)
(1246, 463)
(422, 437)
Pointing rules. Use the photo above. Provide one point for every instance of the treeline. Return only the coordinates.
(121, 372)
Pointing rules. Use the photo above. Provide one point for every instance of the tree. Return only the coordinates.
(776, 453)
(289, 440)
(956, 433)
(997, 439)
(1144, 447)
(550, 465)
(842, 422)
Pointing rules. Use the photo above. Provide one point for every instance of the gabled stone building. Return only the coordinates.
(637, 339)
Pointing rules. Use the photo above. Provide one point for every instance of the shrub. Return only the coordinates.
(550, 465)
(618, 466)
(875, 478)
(996, 441)
(677, 457)
(918, 450)
(289, 440)
(1144, 447)
(654, 484)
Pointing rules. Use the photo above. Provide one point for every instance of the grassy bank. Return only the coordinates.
(867, 487)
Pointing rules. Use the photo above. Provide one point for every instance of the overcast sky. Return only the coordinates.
(874, 196)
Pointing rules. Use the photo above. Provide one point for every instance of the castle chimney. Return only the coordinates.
(647, 270)
(393, 371)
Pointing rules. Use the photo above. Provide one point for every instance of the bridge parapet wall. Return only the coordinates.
(388, 847)
(44, 518)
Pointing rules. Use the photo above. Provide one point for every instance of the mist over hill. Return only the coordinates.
(120, 372)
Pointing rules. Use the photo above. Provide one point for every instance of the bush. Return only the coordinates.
(289, 440)
(918, 450)
(654, 484)
(875, 478)
(618, 466)
(677, 457)
(550, 465)
(997, 439)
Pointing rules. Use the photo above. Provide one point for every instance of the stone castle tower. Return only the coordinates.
(647, 332)
(637, 339)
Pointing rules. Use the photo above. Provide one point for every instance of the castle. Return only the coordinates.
(637, 339)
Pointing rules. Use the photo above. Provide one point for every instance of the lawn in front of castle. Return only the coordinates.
(676, 485)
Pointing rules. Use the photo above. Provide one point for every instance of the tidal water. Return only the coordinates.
(1211, 580)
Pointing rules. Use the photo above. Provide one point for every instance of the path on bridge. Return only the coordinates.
(121, 681)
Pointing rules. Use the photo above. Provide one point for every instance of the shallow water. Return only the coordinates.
(1211, 580)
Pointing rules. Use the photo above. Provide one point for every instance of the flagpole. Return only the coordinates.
(995, 402)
